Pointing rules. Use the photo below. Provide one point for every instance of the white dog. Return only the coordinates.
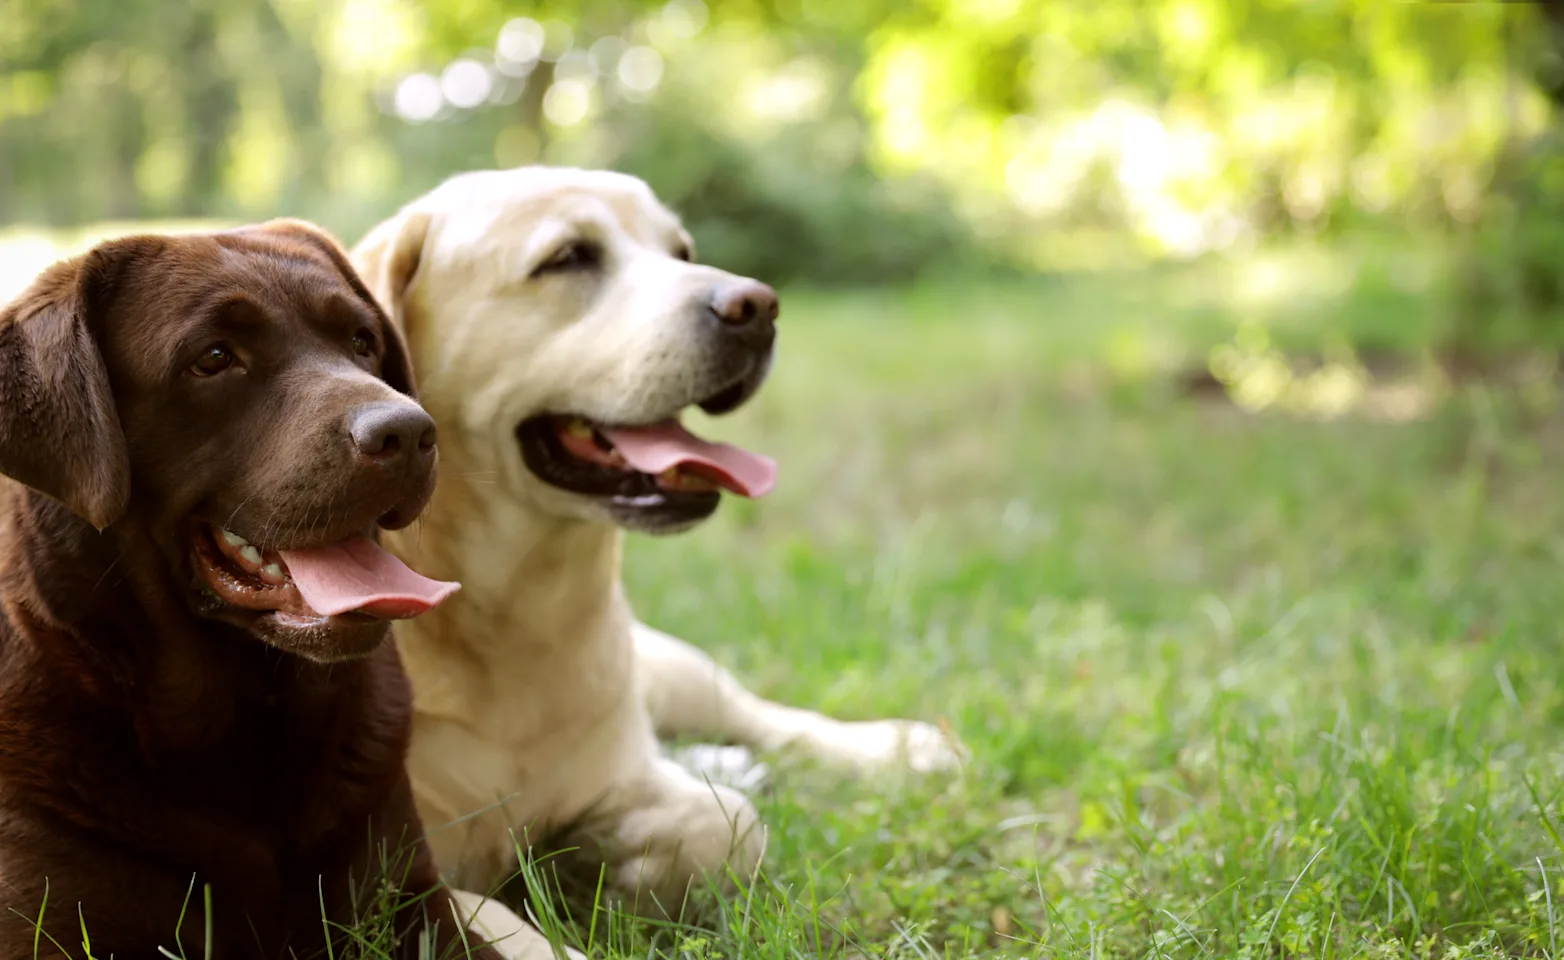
(559, 324)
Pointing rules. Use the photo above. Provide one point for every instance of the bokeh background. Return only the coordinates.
(804, 139)
(1167, 403)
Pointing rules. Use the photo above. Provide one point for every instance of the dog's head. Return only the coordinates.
(558, 319)
(240, 403)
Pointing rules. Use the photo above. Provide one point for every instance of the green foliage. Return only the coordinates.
(1265, 112)
(766, 211)
(1509, 291)
(805, 139)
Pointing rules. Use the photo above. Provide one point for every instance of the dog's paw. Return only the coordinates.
(732, 766)
(878, 745)
(511, 937)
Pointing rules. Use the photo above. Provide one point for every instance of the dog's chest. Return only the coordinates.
(545, 777)
(282, 775)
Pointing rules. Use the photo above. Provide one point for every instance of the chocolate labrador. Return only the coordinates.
(197, 699)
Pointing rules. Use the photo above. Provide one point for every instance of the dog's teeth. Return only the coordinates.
(250, 555)
(669, 476)
(234, 540)
(579, 428)
(273, 572)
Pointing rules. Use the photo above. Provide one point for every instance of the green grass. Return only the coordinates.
(1234, 685)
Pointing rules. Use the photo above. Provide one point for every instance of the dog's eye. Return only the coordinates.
(214, 359)
(363, 343)
(572, 256)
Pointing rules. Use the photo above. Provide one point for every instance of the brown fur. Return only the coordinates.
(153, 741)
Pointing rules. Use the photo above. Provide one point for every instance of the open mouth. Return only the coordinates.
(648, 465)
(349, 577)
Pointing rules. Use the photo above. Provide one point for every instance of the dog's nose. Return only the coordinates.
(743, 303)
(392, 431)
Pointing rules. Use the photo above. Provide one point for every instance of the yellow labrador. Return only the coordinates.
(558, 325)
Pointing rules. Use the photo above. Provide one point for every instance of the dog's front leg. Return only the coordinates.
(687, 694)
(663, 833)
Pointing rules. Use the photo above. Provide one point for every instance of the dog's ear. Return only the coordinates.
(59, 426)
(396, 367)
(389, 256)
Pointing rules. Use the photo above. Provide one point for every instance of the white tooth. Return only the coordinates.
(273, 570)
(580, 428)
(250, 555)
(234, 540)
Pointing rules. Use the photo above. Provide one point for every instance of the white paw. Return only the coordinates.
(882, 744)
(511, 937)
(735, 767)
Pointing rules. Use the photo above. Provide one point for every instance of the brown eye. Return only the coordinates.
(574, 256)
(215, 359)
(363, 343)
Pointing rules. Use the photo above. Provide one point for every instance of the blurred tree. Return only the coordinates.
(1508, 306)
(804, 138)
(125, 109)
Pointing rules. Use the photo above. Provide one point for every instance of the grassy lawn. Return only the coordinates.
(1235, 685)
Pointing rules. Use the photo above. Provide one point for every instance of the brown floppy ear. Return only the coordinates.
(389, 257)
(396, 368)
(59, 427)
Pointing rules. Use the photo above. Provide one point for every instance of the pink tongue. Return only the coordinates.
(356, 574)
(663, 445)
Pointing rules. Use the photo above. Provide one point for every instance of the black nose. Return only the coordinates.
(746, 309)
(741, 303)
(392, 431)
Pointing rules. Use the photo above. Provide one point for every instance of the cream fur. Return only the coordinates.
(539, 698)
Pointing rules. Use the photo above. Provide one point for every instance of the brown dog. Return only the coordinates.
(195, 688)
